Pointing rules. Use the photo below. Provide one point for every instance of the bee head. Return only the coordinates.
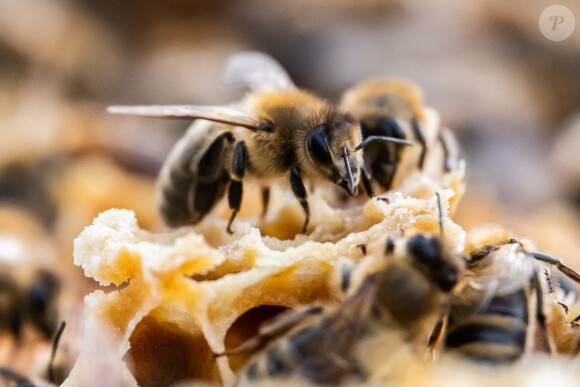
(428, 252)
(329, 147)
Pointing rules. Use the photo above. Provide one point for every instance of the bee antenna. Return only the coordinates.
(348, 171)
(367, 140)
(440, 213)
(55, 341)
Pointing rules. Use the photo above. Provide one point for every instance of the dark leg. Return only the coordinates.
(235, 192)
(366, 183)
(540, 315)
(418, 132)
(446, 167)
(390, 246)
(265, 200)
(559, 265)
(435, 334)
(345, 280)
(55, 340)
(300, 193)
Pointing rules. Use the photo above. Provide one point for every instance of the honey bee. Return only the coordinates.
(501, 304)
(52, 379)
(29, 301)
(395, 109)
(278, 133)
(322, 344)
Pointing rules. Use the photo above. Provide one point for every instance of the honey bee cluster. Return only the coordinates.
(369, 283)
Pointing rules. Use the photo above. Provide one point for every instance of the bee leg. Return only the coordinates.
(265, 200)
(345, 277)
(541, 316)
(15, 318)
(300, 193)
(236, 190)
(366, 183)
(436, 333)
(55, 340)
(42, 297)
(390, 245)
(559, 265)
(446, 157)
(418, 132)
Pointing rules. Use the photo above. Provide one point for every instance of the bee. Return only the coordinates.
(277, 133)
(395, 109)
(501, 304)
(323, 345)
(29, 301)
(10, 375)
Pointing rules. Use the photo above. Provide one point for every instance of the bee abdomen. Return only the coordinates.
(194, 184)
(174, 204)
(499, 342)
(496, 334)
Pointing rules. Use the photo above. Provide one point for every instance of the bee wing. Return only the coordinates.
(277, 328)
(222, 114)
(502, 274)
(329, 347)
(341, 328)
(259, 71)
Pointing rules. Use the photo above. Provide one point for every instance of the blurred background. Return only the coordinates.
(511, 95)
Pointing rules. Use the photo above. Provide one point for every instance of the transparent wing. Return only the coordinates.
(259, 71)
(221, 114)
(502, 274)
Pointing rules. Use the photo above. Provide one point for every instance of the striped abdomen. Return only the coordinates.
(194, 178)
(495, 332)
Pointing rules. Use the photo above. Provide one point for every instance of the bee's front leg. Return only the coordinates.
(418, 133)
(300, 192)
(366, 182)
(541, 318)
(235, 191)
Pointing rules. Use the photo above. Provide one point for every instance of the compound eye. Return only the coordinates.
(318, 147)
